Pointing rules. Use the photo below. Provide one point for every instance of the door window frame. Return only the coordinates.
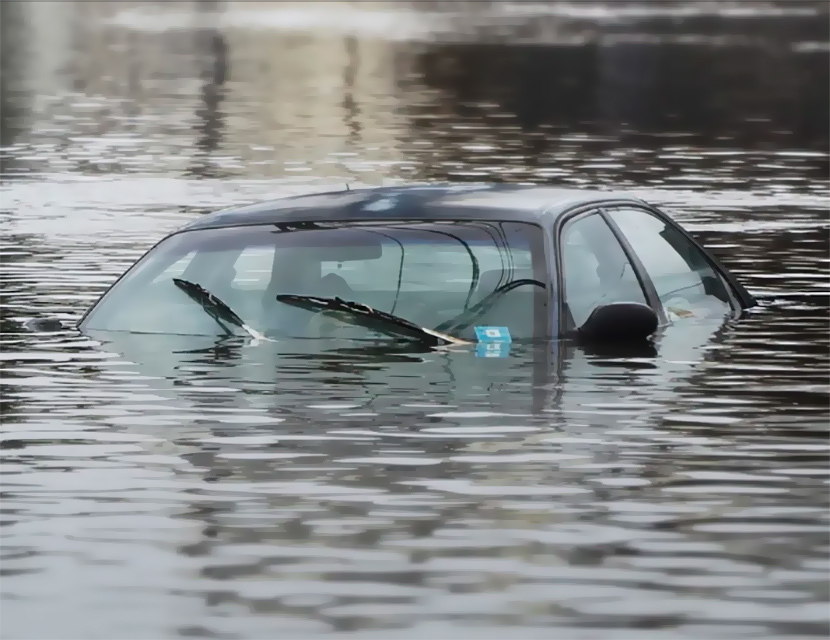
(739, 298)
(564, 322)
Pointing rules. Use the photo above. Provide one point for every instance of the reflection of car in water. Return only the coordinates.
(436, 264)
(308, 398)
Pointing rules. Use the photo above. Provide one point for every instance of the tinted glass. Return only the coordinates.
(686, 283)
(426, 273)
(595, 268)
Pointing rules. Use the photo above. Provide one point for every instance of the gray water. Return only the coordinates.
(153, 489)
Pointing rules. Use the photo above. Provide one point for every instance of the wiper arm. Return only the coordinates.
(215, 308)
(364, 315)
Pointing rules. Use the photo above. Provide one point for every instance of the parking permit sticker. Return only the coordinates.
(493, 334)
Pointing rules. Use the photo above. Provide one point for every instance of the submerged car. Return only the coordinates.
(439, 264)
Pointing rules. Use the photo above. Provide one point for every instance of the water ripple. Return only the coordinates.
(160, 490)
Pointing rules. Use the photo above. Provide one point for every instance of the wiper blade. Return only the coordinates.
(364, 315)
(215, 308)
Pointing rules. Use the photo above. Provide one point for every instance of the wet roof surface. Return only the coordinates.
(523, 203)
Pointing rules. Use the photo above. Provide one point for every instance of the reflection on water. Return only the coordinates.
(159, 489)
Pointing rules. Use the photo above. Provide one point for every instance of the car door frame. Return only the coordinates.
(562, 324)
(740, 298)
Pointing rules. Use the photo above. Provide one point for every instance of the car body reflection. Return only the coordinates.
(327, 398)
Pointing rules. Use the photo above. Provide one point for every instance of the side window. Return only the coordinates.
(595, 268)
(686, 284)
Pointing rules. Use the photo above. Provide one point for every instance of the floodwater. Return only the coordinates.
(155, 490)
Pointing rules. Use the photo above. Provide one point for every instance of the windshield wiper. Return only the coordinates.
(215, 308)
(364, 315)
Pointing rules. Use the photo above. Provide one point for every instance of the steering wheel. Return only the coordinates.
(466, 318)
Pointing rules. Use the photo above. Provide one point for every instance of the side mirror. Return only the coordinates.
(619, 322)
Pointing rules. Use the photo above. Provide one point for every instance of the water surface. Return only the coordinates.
(159, 489)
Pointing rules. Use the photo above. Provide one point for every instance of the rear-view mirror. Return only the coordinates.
(338, 245)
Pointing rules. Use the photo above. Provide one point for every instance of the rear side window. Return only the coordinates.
(686, 283)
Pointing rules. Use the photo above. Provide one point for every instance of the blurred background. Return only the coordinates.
(556, 91)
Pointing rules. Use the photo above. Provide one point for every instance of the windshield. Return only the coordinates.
(426, 273)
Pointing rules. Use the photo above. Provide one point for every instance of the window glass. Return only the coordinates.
(427, 273)
(176, 269)
(252, 269)
(596, 270)
(686, 284)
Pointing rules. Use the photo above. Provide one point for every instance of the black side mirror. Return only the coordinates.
(619, 322)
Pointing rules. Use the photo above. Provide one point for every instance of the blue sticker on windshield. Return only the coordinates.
(493, 334)
(493, 349)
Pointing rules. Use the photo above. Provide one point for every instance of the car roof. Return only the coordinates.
(502, 202)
